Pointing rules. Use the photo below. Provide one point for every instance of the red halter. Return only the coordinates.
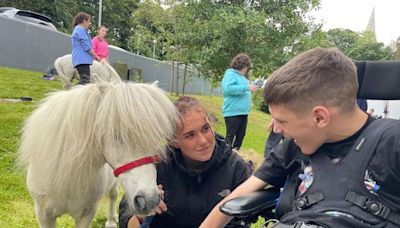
(136, 163)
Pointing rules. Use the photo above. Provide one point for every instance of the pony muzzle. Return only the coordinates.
(145, 203)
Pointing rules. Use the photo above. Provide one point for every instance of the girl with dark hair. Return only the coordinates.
(82, 52)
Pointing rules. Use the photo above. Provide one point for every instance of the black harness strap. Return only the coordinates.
(374, 207)
(308, 200)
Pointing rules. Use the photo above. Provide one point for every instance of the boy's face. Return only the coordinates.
(302, 128)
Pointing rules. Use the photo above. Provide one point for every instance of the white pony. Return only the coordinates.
(74, 138)
(100, 71)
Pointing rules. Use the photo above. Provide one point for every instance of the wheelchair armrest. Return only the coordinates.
(251, 204)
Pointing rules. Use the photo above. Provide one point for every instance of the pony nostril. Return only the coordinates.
(145, 205)
(139, 202)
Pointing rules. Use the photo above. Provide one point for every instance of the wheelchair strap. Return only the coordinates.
(374, 207)
(299, 224)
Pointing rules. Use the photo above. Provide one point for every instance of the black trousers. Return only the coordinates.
(84, 73)
(235, 130)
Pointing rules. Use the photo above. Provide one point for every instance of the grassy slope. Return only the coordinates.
(16, 207)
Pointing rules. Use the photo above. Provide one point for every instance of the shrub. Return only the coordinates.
(122, 70)
(258, 100)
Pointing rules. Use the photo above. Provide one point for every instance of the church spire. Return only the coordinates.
(371, 23)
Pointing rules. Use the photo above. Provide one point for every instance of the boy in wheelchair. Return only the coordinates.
(338, 167)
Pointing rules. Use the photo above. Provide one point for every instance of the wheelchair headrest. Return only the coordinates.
(378, 80)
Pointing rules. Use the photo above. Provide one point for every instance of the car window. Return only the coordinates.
(29, 19)
(27, 14)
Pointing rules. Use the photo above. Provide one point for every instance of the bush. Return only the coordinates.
(122, 70)
(258, 100)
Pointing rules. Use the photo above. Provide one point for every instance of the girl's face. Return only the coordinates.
(196, 137)
(102, 32)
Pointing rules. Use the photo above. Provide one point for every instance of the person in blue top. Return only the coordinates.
(362, 103)
(82, 52)
(236, 91)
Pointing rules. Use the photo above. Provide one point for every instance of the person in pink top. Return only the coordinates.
(99, 43)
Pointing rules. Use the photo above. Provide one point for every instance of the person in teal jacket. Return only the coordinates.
(82, 51)
(236, 91)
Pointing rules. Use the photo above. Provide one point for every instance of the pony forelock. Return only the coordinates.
(64, 139)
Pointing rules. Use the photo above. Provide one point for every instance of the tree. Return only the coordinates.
(212, 32)
(359, 46)
(116, 16)
(367, 48)
(343, 39)
(151, 23)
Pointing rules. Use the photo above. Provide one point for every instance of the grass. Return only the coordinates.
(16, 207)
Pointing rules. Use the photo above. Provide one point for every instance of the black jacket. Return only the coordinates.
(338, 195)
(191, 196)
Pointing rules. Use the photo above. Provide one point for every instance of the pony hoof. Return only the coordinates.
(111, 224)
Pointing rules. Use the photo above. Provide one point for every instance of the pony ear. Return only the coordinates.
(97, 78)
(155, 83)
(102, 87)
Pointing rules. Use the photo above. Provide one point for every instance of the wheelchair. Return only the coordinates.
(378, 80)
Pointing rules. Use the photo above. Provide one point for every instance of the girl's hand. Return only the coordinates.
(162, 207)
(253, 88)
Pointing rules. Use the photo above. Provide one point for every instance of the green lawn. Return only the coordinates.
(16, 207)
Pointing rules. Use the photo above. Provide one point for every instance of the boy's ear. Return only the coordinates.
(321, 116)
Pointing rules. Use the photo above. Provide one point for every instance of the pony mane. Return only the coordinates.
(65, 137)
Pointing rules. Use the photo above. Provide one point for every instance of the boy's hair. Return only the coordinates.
(80, 17)
(240, 61)
(316, 77)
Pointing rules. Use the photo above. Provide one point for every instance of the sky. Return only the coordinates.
(355, 14)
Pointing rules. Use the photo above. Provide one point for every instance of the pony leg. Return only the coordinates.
(46, 220)
(58, 64)
(86, 218)
(112, 218)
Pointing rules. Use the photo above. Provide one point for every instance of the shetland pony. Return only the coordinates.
(103, 71)
(71, 143)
